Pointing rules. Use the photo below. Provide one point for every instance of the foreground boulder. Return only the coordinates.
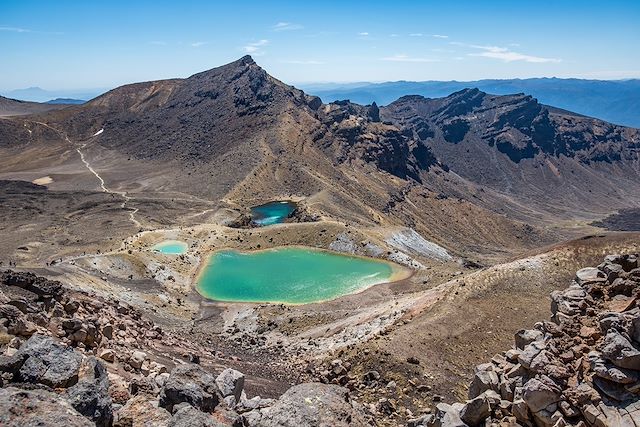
(310, 404)
(90, 396)
(230, 383)
(47, 362)
(25, 408)
(139, 411)
(193, 385)
(188, 416)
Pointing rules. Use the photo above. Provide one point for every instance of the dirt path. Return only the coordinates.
(103, 186)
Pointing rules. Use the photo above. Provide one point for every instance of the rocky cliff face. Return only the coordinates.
(582, 368)
(515, 125)
(524, 150)
(351, 132)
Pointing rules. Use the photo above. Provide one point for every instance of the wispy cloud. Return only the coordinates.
(416, 35)
(11, 29)
(198, 44)
(255, 48)
(14, 29)
(406, 58)
(504, 54)
(302, 62)
(286, 26)
(363, 34)
(393, 35)
(439, 36)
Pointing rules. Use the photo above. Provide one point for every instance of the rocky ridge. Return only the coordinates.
(582, 368)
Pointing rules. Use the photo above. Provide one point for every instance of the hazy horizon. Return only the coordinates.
(86, 45)
(75, 93)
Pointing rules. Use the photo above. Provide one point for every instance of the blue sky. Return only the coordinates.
(90, 44)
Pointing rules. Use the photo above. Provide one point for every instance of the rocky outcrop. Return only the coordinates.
(351, 132)
(310, 404)
(43, 361)
(580, 369)
(190, 384)
(516, 125)
(70, 371)
(90, 396)
(20, 408)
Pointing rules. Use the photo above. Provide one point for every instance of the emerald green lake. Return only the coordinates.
(272, 213)
(292, 275)
(171, 247)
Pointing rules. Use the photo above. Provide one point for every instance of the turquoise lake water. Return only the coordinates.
(288, 275)
(171, 247)
(272, 213)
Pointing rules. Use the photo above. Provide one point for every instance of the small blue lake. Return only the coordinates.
(171, 247)
(272, 213)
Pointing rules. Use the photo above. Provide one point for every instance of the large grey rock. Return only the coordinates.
(191, 384)
(48, 362)
(137, 359)
(620, 351)
(613, 271)
(311, 404)
(612, 389)
(530, 352)
(37, 408)
(635, 327)
(520, 410)
(484, 378)
(139, 411)
(447, 416)
(621, 322)
(476, 410)
(525, 337)
(11, 363)
(230, 383)
(90, 396)
(540, 393)
(590, 275)
(603, 415)
(188, 416)
(612, 373)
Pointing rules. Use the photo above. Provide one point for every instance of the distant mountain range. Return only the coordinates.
(37, 94)
(614, 101)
